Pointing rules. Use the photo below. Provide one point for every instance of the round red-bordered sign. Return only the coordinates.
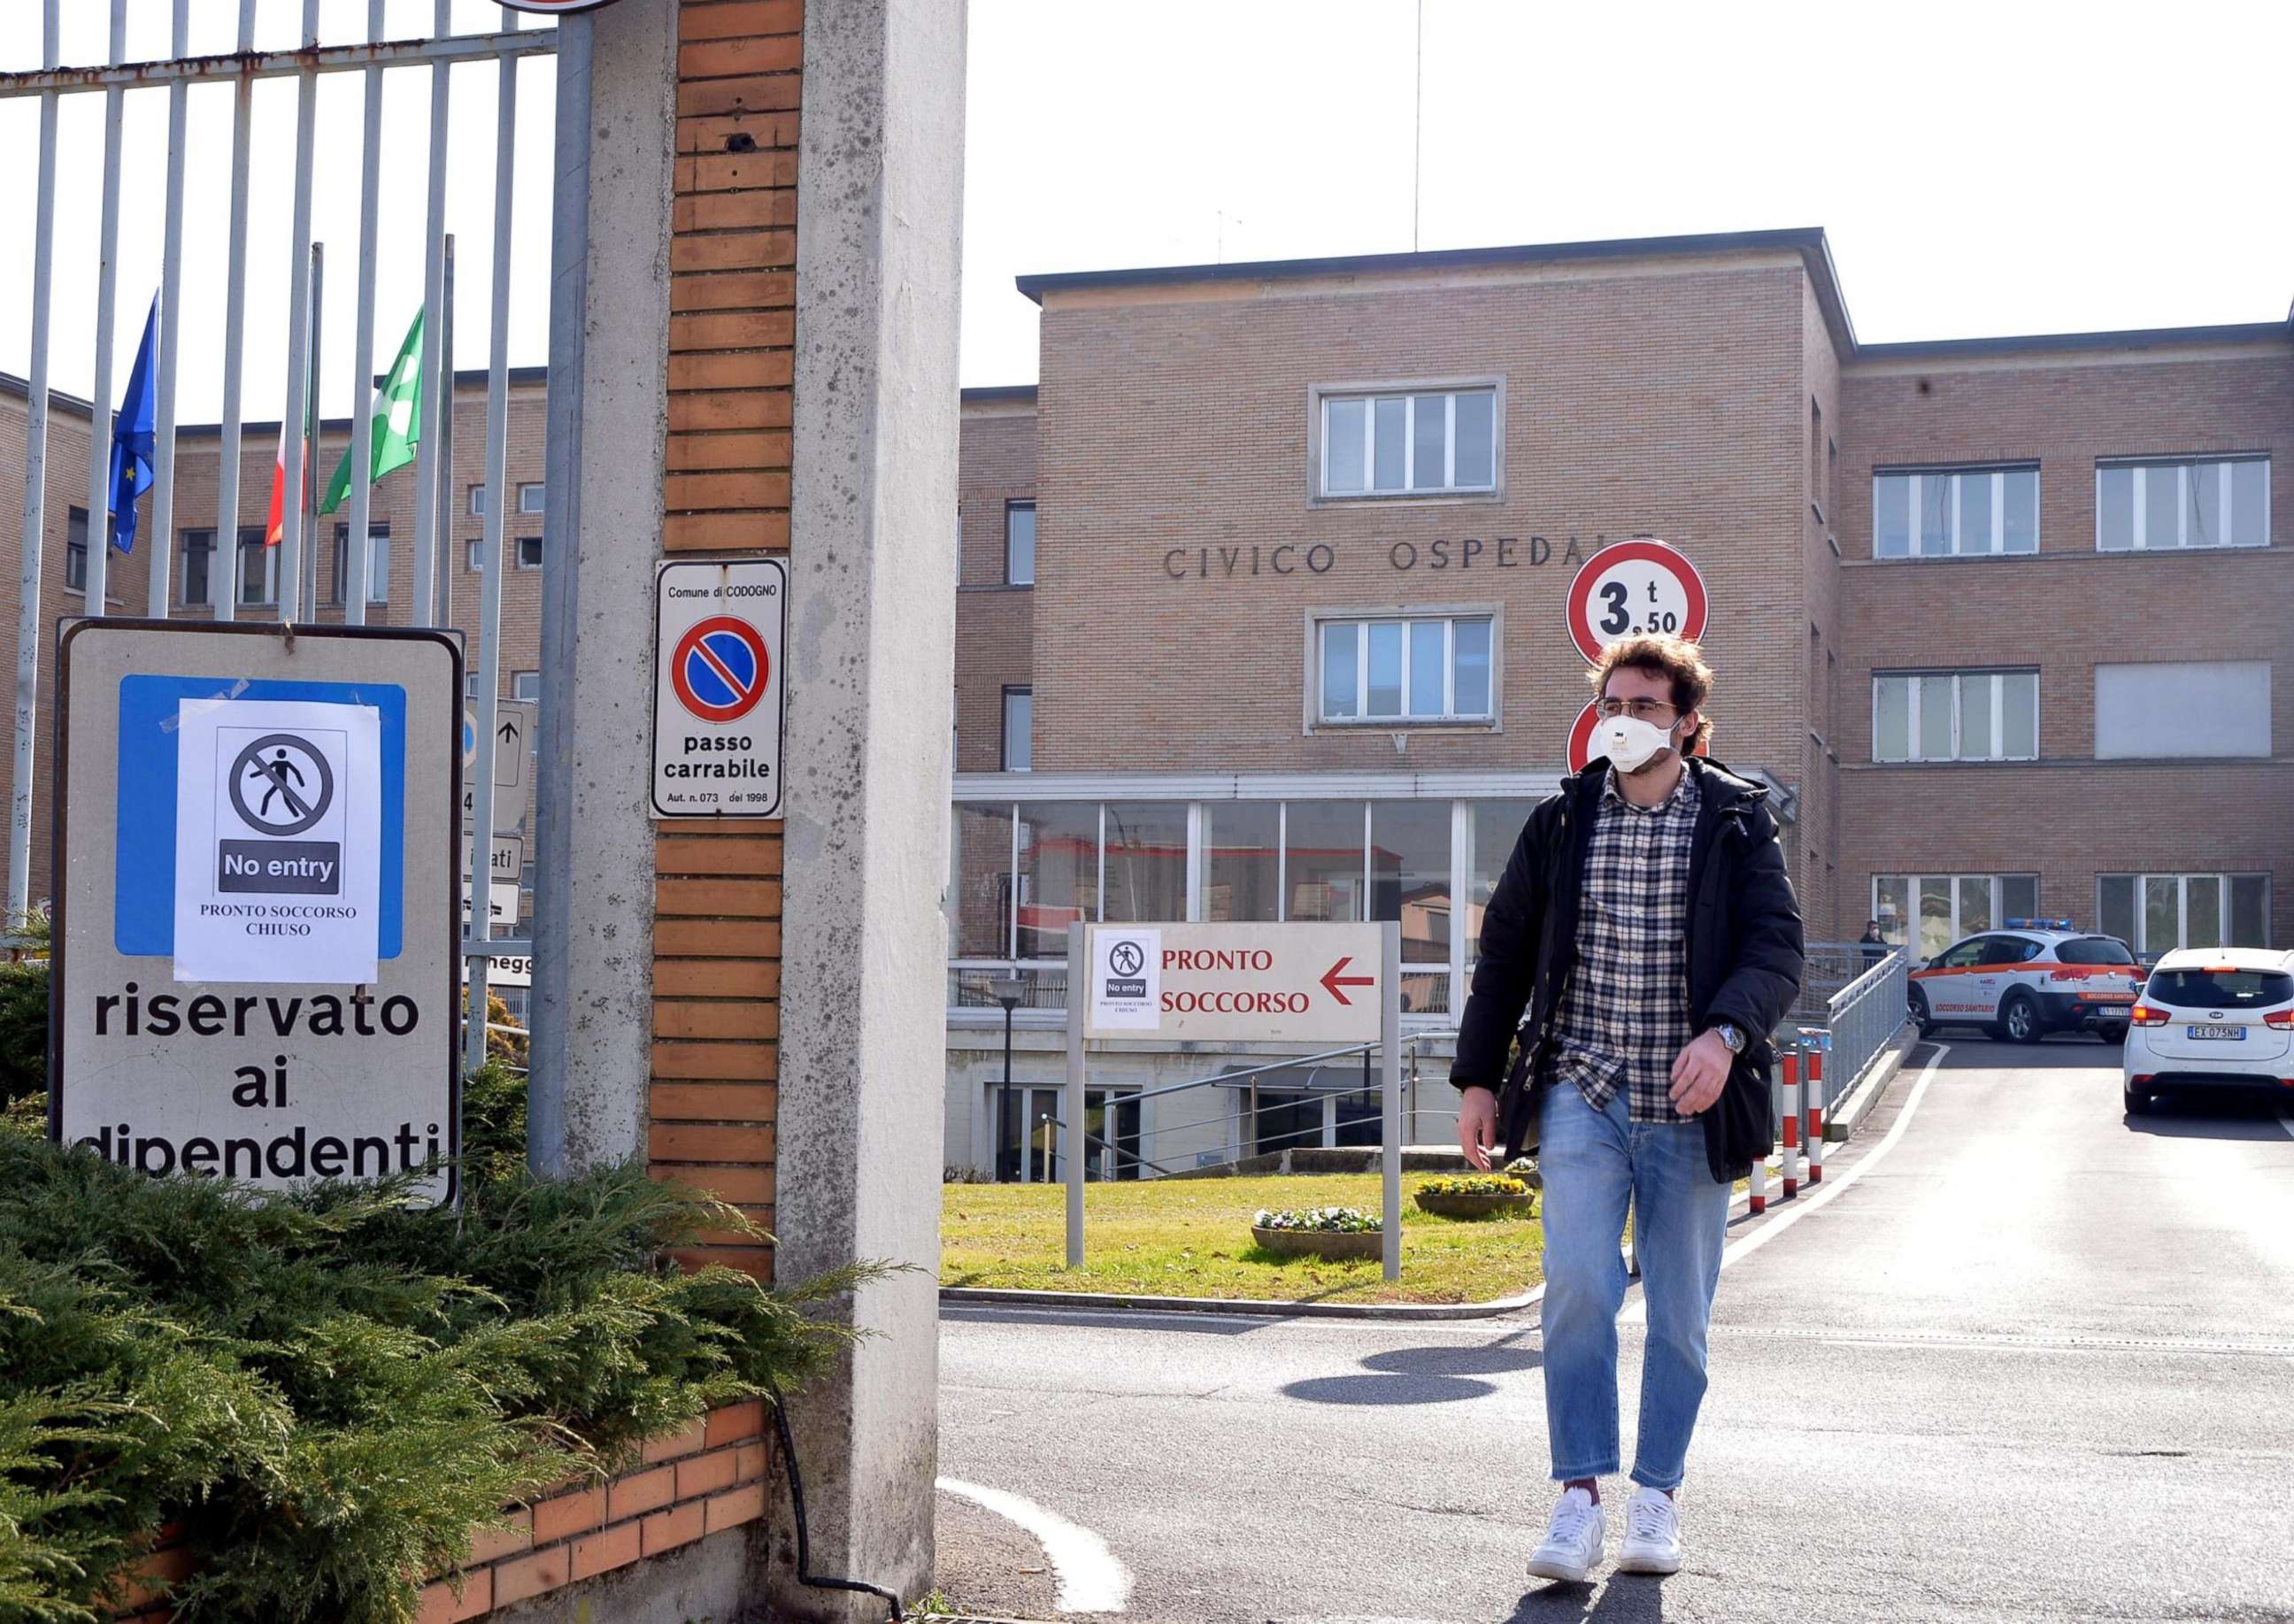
(1581, 740)
(721, 668)
(1632, 587)
(551, 8)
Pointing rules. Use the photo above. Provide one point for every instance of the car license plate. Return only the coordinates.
(2235, 1034)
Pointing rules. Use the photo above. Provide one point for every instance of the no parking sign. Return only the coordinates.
(719, 631)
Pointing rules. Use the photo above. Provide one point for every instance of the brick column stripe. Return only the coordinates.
(717, 889)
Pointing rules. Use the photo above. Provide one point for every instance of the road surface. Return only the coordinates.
(2034, 1362)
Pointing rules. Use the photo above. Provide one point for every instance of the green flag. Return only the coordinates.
(397, 418)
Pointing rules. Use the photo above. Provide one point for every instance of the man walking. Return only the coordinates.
(1647, 925)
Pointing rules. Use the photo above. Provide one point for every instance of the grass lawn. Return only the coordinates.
(1190, 1237)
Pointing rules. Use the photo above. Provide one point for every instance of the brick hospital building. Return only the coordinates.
(1261, 618)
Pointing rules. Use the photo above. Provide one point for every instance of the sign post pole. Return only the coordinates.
(1390, 1086)
(1078, 995)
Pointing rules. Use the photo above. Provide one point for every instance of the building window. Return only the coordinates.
(1018, 729)
(195, 568)
(1409, 443)
(529, 497)
(2182, 710)
(2156, 913)
(75, 549)
(377, 562)
(525, 684)
(1405, 670)
(258, 568)
(2142, 507)
(529, 552)
(478, 501)
(1018, 544)
(1936, 910)
(1955, 716)
(1945, 512)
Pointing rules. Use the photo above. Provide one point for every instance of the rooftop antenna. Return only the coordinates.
(1418, 125)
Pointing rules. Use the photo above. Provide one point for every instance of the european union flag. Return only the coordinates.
(133, 438)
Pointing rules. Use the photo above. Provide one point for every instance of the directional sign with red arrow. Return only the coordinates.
(1256, 983)
(1332, 981)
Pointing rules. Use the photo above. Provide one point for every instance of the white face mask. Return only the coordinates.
(1628, 741)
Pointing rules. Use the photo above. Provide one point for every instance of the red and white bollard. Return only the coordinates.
(1792, 1126)
(1816, 1116)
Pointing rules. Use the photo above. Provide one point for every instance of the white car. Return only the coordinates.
(2033, 978)
(2217, 1017)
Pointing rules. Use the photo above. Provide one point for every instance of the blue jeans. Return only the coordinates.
(1594, 1161)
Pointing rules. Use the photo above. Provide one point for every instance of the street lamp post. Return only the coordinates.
(1009, 990)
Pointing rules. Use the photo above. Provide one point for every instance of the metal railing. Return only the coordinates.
(373, 58)
(1863, 1020)
(1110, 1158)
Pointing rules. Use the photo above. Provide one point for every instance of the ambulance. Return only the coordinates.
(2034, 976)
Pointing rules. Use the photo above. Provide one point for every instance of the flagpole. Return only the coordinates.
(306, 494)
(96, 598)
(440, 607)
(363, 343)
(161, 598)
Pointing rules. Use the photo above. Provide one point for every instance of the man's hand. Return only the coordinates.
(1699, 1072)
(1478, 1126)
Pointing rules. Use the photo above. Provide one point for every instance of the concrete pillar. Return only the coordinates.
(593, 972)
(871, 637)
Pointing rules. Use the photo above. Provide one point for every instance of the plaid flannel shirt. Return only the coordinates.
(1625, 1013)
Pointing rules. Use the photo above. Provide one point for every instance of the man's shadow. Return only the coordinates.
(1619, 1598)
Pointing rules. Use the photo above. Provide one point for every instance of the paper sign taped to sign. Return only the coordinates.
(1126, 979)
(278, 832)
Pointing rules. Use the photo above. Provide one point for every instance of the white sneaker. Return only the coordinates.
(1572, 1544)
(1652, 1534)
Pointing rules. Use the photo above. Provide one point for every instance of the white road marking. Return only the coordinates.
(1091, 1577)
(1809, 1200)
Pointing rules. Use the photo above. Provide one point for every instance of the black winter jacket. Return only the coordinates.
(1744, 955)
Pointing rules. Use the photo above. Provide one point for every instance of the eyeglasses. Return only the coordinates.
(1639, 710)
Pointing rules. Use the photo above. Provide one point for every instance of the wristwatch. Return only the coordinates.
(1731, 1036)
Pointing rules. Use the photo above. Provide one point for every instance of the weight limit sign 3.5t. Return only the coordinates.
(720, 630)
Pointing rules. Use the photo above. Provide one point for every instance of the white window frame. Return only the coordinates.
(1010, 578)
(183, 551)
(2140, 917)
(526, 686)
(270, 555)
(1996, 473)
(539, 501)
(1919, 681)
(1003, 732)
(1318, 623)
(478, 501)
(2144, 470)
(378, 562)
(516, 546)
(1318, 436)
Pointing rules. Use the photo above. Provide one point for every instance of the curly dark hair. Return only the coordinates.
(1679, 662)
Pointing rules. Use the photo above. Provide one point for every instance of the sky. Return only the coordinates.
(1980, 170)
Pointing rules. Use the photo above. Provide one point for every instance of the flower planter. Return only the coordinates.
(1329, 1245)
(1475, 1206)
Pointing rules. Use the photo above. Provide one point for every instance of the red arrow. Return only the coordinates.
(1332, 980)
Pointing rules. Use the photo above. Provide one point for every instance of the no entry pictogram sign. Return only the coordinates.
(1631, 587)
(721, 668)
(719, 630)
